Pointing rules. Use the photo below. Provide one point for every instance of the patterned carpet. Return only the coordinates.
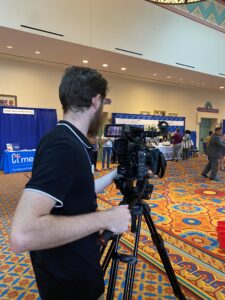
(185, 209)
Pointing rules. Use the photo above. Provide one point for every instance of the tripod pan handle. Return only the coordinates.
(105, 237)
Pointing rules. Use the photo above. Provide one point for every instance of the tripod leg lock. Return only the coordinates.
(129, 259)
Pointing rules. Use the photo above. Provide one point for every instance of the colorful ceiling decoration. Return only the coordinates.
(210, 12)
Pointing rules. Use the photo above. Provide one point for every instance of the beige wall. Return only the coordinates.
(133, 96)
(36, 85)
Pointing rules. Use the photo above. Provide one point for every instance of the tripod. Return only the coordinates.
(134, 197)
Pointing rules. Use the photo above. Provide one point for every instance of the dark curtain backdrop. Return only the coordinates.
(25, 129)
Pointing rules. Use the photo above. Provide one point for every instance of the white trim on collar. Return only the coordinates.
(63, 124)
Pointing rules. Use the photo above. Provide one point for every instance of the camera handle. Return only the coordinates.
(139, 209)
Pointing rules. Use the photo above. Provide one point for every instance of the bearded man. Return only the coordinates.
(56, 218)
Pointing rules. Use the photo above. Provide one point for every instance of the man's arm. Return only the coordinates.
(220, 142)
(33, 227)
(104, 181)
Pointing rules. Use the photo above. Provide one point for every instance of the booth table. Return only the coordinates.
(17, 161)
(167, 151)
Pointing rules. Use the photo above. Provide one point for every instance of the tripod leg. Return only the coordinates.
(112, 253)
(159, 243)
(131, 267)
(109, 254)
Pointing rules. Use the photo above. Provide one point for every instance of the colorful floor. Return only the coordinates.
(185, 209)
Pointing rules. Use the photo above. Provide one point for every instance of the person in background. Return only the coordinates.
(56, 217)
(106, 152)
(186, 144)
(214, 151)
(95, 147)
(208, 138)
(221, 159)
(114, 159)
(177, 144)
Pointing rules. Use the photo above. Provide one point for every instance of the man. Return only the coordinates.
(56, 218)
(177, 144)
(214, 151)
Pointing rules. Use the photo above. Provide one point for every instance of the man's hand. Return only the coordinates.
(119, 219)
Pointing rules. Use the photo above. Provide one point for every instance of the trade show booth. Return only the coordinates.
(24, 128)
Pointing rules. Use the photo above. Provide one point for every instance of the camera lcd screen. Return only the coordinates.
(114, 130)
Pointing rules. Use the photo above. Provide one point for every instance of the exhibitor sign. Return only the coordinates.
(210, 110)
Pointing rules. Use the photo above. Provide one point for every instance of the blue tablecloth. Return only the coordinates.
(167, 151)
(17, 161)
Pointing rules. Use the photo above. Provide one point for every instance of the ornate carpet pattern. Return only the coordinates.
(185, 209)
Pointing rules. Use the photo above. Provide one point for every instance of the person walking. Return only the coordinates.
(214, 152)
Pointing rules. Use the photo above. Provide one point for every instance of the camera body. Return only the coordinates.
(134, 157)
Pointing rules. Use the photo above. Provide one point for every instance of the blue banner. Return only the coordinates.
(149, 120)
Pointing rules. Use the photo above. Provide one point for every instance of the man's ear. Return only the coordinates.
(96, 101)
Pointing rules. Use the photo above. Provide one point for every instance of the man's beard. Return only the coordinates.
(96, 122)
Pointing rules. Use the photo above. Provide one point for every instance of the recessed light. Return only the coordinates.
(9, 47)
(85, 61)
(154, 74)
(105, 65)
(221, 87)
(181, 79)
(123, 69)
(168, 77)
(37, 52)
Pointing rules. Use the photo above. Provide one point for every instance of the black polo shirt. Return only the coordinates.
(62, 170)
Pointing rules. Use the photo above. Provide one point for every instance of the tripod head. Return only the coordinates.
(134, 191)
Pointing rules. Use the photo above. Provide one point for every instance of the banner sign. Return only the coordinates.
(210, 110)
(149, 120)
(17, 161)
(18, 111)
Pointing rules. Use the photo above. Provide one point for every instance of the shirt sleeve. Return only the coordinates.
(54, 172)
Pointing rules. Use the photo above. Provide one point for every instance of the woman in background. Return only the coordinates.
(106, 152)
(186, 144)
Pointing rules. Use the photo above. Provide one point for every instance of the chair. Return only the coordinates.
(194, 152)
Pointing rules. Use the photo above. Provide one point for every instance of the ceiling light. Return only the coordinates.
(174, 2)
(154, 74)
(123, 69)
(85, 61)
(9, 47)
(181, 79)
(105, 65)
(168, 77)
(221, 87)
(37, 52)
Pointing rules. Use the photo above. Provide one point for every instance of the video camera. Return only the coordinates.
(134, 157)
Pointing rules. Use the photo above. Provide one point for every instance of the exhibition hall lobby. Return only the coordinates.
(164, 64)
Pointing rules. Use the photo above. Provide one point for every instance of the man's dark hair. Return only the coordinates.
(177, 129)
(78, 86)
(218, 128)
(210, 132)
